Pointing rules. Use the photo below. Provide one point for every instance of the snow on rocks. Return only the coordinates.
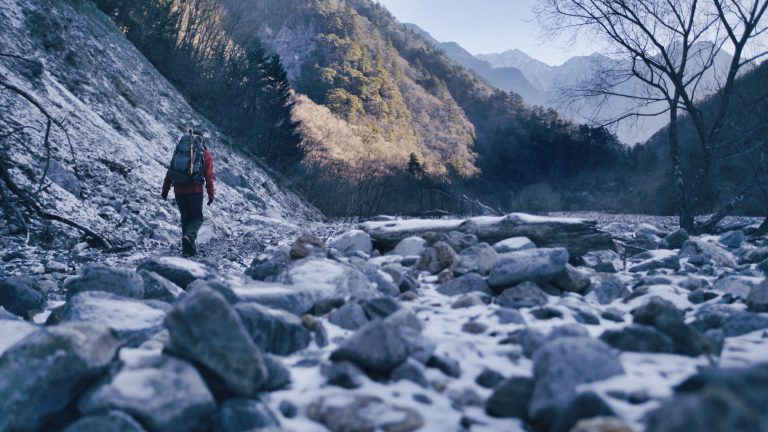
(537, 265)
(180, 271)
(351, 242)
(513, 244)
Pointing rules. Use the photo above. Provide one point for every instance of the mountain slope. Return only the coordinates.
(123, 119)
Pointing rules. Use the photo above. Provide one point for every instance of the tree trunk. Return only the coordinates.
(683, 203)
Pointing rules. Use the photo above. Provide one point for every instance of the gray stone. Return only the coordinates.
(351, 242)
(719, 256)
(180, 271)
(19, 296)
(412, 371)
(458, 240)
(329, 279)
(380, 308)
(563, 364)
(274, 331)
(638, 338)
(165, 393)
(267, 268)
(297, 300)
(523, 295)
(205, 328)
(732, 239)
(607, 287)
(511, 398)
(405, 318)
(489, 379)
(572, 280)
(384, 283)
(157, 287)
(278, 375)
(215, 285)
(665, 317)
(69, 355)
(567, 330)
(466, 284)
(479, 258)
(354, 412)
(63, 177)
(436, 258)
(652, 260)
(112, 421)
(445, 364)
(513, 244)
(757, 301)
(410, 246)
(585, 405)
(509, 316)
(351, 316)
(306, 245)
(343, 374)
(97, 277)
(606, 261)
(677, 238)
(241, 415)
(134, 321)
(474, 327)
(470, 300)
(536, 265)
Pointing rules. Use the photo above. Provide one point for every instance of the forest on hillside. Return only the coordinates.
(363, 116)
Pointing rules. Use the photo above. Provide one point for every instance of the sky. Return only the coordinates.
(485, 26)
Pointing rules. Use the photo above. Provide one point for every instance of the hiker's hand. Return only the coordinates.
(210, 200)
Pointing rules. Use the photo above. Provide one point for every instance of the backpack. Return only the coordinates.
(187, 162)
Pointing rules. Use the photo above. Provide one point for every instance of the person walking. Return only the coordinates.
(191, 167)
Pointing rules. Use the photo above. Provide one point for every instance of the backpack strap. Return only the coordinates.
(191, 152)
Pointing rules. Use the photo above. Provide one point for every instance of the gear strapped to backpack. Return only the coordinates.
(187, 162)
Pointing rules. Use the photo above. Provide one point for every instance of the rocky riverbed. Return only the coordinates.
(487, 324)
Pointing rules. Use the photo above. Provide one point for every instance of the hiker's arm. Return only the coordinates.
(208, 165)
(166, 185)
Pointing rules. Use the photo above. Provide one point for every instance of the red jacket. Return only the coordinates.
(194, 188)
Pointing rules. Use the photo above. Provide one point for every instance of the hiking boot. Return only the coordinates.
(188, 248)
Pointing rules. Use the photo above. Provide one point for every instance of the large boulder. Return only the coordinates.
(560, 366)
(164, 393)
(206, 329)
(241, 415)
(19, 296)
(180, 271)
(576, 235)
(536, 265)
(716, 400)
(350, 412)
(134, 321)
(97, 277)
(274, 331)
(351, 242)
(41, 374)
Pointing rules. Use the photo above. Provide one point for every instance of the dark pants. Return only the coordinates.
(191, 209)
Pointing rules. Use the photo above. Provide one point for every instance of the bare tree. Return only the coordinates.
(668, 47)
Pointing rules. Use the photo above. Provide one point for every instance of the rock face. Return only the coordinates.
(716, 400)
(563, 364)
(536, 265)
(122, 282)
(66, 354)
(180, 271)
(18, 296)
(206, 329)
(273, 331)
(347, 412)
(577, 236)
(164, 393)
(134, 321)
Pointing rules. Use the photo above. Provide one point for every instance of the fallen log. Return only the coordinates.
(578, 236)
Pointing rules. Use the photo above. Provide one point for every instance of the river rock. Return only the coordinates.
(511, 398)
(307, 244)
(677, 238)
(351, 316)
(134, 321)
(180, 271)
(585, 405)
(274, 331)
(69, 355)
(354, 412)
(165, 393)
(563, 364)
(97, 277)
(19, 296)
(665, 317)
(329, 279)
(240, 415)
(436, 258)
(719, 256)
(513, 244)
(655, 259)
(159, 288)
(112, 421)
(523, 295)
(736, 286)
(536, 265)
(606, 261)
(757, 301)
(343, 374)
(732, 239)
(466, 284)
(267, 268)
(351, 242)
(410, 246)
(572, 280)
(638, 338)
(606, 288)
(205, 328)
(412, 371)
(479, 258)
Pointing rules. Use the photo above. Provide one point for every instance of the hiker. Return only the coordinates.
(191, 166)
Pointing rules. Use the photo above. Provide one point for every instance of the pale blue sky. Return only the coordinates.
(485, 26)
